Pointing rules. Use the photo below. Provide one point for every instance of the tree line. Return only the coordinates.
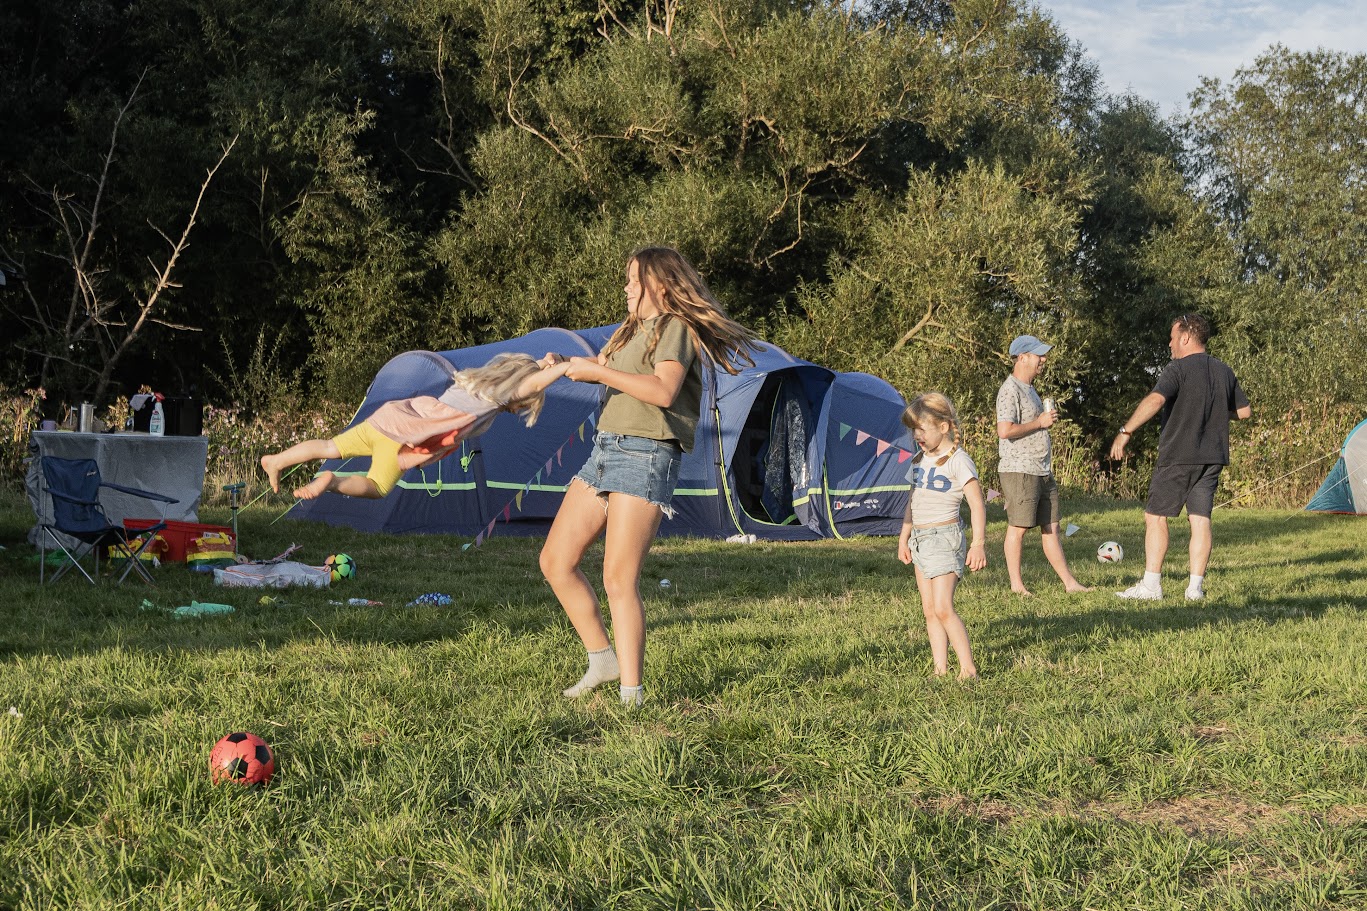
(191, 186)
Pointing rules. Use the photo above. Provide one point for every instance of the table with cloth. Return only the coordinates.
(168, 465)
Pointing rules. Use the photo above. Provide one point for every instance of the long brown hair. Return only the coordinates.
(683, 295)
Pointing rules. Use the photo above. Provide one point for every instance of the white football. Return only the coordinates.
(1110, 552)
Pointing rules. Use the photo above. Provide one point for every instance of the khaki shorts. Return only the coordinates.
(365, 440)
(1031, 499)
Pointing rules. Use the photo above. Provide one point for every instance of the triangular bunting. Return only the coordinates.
(549, 467)
(844, 429)
(992, 494)
(479, 539)
(581, 432)
(859, 438)
(903, 455)
(518, 500)
(507, 512)
(1072, 530)
(882, 447)
(559, 455)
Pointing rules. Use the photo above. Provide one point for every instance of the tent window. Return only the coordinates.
(771, 453)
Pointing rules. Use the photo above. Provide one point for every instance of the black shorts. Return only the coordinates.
(1174, 486)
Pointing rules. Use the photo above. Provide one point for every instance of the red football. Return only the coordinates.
(242, 757)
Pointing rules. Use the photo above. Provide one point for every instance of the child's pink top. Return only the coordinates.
(426, 424)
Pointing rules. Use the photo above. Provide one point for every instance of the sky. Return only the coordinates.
(1160, 49)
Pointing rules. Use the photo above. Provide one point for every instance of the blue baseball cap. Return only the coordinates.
(1028, 344)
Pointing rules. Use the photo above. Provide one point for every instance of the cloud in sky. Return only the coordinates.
(1160, 49)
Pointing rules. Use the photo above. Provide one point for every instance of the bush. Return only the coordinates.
(20, 414)
(239, 437)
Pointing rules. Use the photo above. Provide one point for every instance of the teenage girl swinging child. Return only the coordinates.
(412, 433)
(942, 476)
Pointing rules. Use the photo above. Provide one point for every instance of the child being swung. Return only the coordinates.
(415, 432)
(942, 476)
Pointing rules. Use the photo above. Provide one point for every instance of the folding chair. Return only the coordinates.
(74, 488)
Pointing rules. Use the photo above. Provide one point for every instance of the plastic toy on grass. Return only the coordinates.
(433, 599)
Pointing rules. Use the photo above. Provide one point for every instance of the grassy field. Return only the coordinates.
(792, 753)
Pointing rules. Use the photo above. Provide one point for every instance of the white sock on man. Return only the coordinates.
(1153, 581)
(632, 695)
(1196, 588)
(602, 668)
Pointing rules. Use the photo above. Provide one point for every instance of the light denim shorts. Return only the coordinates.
(643, 468)
(939, 551)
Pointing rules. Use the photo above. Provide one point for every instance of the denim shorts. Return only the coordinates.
(637, 466)
(939, 551)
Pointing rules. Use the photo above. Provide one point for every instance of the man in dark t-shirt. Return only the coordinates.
(1198, 396)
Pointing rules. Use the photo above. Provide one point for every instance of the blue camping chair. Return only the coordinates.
(74, 486)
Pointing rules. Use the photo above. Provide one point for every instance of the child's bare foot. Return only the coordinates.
(1077, 588)
(315, 488)
(1024, 592)
(969, 674)
(271, 465)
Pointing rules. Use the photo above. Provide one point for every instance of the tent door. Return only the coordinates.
(771, 452)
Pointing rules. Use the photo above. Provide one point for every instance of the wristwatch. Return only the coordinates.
(1124, 432)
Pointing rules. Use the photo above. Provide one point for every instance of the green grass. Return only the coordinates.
(792, 753)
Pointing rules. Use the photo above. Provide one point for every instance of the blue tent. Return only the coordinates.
(1345, 489)
(785, 450)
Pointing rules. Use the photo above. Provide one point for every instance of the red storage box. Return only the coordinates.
(178, 535)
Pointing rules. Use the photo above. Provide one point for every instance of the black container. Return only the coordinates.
(184, 416)
(142, 418)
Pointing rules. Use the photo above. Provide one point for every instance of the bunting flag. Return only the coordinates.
(1071, 530)
(544, 472)
(860, 436)
(992, 494)
(844, 429)
(883, 446)
(902, 455)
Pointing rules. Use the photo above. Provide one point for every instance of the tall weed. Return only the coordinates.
(20, 413)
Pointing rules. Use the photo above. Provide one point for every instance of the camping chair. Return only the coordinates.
(74, 487)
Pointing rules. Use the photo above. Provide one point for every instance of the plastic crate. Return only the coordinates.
(178, 535)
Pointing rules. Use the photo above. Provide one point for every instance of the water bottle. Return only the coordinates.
(157, 424)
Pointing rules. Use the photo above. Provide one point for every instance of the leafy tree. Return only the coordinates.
(1283, 154)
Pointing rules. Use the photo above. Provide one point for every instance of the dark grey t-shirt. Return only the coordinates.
(1202, 396)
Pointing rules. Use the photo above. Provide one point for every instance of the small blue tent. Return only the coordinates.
(785, 450)
(1345, 489)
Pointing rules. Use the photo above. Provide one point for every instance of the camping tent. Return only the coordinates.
(1345, 489)
(785, 450)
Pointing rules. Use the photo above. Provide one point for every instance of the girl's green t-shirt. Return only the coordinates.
(627, 415)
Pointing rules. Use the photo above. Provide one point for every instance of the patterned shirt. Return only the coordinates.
(1019, 403)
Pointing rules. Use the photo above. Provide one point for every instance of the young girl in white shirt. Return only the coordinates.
(942, 476)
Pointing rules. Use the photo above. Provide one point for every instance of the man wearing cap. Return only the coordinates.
(1198, 395)
(1026, 470)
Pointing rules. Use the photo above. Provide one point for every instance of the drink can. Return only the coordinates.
(1049, 404)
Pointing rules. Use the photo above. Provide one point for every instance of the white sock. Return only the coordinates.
(1153, 581)
(632, 695)
(602, 668)
(1197, 583)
